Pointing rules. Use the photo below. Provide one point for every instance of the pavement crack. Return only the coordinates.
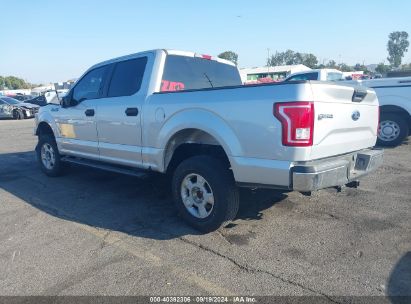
(250, 269)
(224, 238)
(103, 240)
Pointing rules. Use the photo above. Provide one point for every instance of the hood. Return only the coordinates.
(27, 105)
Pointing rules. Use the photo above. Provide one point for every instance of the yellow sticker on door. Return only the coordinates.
(67, 130)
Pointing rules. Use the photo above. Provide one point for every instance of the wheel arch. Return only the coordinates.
(190, 142)
(393, 109)
(44, 128)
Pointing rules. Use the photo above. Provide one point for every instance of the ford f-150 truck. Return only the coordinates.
(188, 116)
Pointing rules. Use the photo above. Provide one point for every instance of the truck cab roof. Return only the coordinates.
(167, 52)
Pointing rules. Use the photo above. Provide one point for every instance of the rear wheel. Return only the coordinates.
(205, 193)
(392, 130)
(48, 156)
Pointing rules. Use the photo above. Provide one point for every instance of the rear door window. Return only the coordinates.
(192, 73)
(127, 77)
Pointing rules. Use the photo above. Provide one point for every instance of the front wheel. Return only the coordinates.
(392, 130)
(48, 156)
(205, 193)
(18, 115)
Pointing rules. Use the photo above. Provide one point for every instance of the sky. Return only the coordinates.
(47, 41)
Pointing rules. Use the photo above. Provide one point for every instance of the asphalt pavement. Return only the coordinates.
(91, 232)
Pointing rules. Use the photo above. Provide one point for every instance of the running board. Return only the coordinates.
(104, 166)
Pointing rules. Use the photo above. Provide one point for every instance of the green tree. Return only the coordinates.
(331, 64)
(289, 57)
(13, 83)
(309, 60)
(397, 46)
(276, 59)
(404, 67)
(345, 67)
(229, 55)
(361, 67)
(2, 84)
(382, 68)
(357, 67)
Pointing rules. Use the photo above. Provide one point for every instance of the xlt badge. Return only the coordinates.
(323, 116)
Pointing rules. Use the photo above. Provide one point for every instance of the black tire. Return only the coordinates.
(398, 122)
(18, 115)
(220, 180)
(48, 141)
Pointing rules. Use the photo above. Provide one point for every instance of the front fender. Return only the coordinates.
(44, 115)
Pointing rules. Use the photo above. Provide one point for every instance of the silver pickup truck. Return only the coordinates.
(188, 115)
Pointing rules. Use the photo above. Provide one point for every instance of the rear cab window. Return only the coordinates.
(194, 73)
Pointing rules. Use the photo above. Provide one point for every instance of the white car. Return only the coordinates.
(188, 115)
(16, 109)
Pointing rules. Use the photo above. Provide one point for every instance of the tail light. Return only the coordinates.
(297, 120)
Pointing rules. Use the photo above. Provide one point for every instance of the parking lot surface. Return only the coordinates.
(96, 233)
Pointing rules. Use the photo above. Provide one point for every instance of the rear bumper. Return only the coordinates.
(336, 171)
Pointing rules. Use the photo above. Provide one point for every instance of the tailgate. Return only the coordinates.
(346, 119)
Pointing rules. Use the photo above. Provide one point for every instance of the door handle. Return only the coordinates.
(131, 111)
(89, 112)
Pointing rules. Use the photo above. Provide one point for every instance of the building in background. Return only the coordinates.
(270, 74)
(67, 85)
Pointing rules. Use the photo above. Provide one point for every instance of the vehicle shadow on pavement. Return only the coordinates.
(399, 281)
(137, 206)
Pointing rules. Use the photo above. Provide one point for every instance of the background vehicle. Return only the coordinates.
(21, 97)
(394, 95)
(39, 100)
(318, 74)
(13, 108)
(188, 116)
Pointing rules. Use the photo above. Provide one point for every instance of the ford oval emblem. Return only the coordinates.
(355, 115)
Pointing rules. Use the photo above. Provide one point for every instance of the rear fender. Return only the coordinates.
(202, 120)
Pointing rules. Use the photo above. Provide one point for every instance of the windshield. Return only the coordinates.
(306, 76)
(191, 73)
(334, 76)
(10, 100)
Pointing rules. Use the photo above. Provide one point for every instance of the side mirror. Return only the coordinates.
(67, 101)
(64, 102)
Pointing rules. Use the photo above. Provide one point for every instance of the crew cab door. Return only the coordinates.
(77, 123)
(119, 112)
